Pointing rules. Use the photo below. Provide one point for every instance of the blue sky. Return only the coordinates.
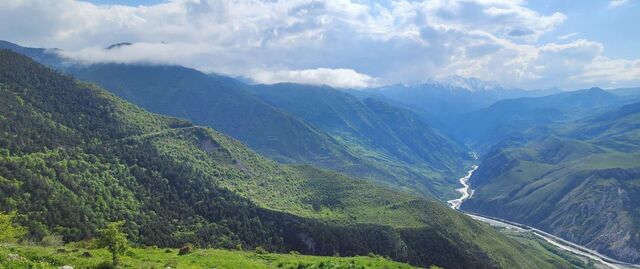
(615, 27)
(349, 43)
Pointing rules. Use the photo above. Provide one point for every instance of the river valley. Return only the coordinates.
(466, 192)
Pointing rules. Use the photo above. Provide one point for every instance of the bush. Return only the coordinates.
(52, 240)
(105, 265)
(9, 230)
(261, 250)
(85, 244)
(188, 248)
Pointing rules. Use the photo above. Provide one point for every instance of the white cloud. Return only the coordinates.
(342, 43)
(568, 36)
(617, 3)
(340, 78)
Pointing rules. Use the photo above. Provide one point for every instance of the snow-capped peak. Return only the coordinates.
(470, 84)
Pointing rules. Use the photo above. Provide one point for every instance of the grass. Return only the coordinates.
(52, 257)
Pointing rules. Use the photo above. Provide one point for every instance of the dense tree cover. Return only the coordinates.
(74, 157)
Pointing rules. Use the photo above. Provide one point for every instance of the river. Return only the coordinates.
(466, 192)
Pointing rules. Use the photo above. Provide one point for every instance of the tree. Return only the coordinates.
(9, 230)
(113, 239)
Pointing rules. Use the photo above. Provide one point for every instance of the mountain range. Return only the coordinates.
(578, 179)
(564, 162)
(294, 123)
(75, 156)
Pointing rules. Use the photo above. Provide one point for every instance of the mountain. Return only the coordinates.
(579, 180)
(377, 131)
(627, 92)
(74, 156)
(49, 57)
(236, 109)
(442, 100)
(218, 102)
(485, 127)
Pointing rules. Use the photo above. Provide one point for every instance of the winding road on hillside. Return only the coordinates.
(466, 192)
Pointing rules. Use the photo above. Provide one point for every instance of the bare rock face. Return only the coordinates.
(598, 216)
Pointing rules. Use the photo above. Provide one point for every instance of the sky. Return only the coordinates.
(349, 43)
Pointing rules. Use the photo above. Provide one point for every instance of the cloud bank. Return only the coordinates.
(340, 43)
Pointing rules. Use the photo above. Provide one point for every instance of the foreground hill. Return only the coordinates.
(581, 183)
(74, 156)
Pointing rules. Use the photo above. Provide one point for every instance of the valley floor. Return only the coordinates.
(23, 256)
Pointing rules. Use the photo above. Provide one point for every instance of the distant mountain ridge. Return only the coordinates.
(458, 82)
(440, 103)
(484, 128)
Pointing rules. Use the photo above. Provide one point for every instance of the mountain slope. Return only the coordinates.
(73, 156)
(507, 118)
(377, 131)
(218, 102)
(581, 183)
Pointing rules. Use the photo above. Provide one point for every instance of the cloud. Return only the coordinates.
(617, 3)
(340, 78)
(342, 43)
(568, 36)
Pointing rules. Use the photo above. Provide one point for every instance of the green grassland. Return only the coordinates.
(52, 257)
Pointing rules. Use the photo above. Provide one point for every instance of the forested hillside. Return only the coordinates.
(74, 156)
(347, 136)
(579, 180)
(425, 159)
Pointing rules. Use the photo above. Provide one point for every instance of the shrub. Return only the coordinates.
(105, 265)
(260, 250)
(52, 240)
(186, 249)
(9, 230)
